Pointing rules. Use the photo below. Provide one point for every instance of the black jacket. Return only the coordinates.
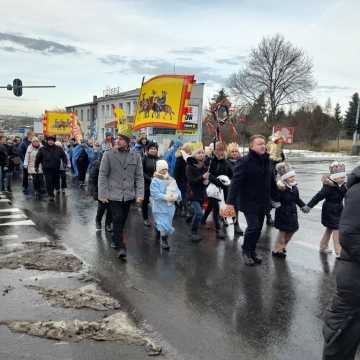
(286, 216)
(252, 184)
(349, 225)
(13, 156)
(219, 167)
(333, 204)
(23, 147)
(180, 173)
(194, 174)
(50, 157)
(4, 157)
(149, 167)
(231, 165)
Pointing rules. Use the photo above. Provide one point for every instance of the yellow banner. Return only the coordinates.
(163, 102)
(58, 123)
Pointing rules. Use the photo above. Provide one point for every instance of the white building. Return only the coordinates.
(96, 117)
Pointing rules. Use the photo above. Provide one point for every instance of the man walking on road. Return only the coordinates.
(342, 320)
(120, 182)
(250, 192)
(50, 157)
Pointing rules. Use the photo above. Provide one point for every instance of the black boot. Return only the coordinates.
(164, 243)
(98, 225)
(257, 259)
(237, 229)
(108, 227)
(248, 260)
(220, 234)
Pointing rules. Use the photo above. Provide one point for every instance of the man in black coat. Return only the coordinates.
(4, 161)
(22, 151)
(250, 192)
(50, 157)
(342, 320)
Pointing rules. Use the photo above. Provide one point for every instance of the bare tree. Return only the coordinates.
(276, 69)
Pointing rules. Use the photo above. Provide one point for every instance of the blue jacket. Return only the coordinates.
(76, 152)
(170, 157)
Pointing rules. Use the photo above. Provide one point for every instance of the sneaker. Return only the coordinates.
(114, 245)
(164, 243)
(257, 259)
(189, 219)
(147, 223)
(248, 260)
(98, 226)
(58, 192)
(122, 254)
(195, 237)
(51, 198)
(108, 228)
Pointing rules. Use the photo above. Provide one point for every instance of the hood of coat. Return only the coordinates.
(327, 181)
(354, 177)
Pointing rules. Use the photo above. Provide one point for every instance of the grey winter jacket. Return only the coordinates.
(121, 176)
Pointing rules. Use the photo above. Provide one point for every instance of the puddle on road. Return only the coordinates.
(89, 296)
(117, 327)
(42, 259)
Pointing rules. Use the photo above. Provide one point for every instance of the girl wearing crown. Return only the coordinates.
(333, 192)
(286, 217)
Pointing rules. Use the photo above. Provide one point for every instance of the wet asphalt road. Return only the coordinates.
(201, 299)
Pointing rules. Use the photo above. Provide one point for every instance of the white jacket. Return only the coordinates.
(29, 160)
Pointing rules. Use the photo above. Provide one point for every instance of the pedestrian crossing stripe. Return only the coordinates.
(16, 223)
(9, 237)
(10, 210)
(13, 216)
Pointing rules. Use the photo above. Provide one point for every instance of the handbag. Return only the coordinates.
(213, 191)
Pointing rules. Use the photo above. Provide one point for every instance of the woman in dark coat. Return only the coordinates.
(333, 192)
(149, 166)
(218, 166)
(286, 216)
(198, 178)
(342, 320)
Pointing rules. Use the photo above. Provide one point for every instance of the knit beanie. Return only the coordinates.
(53, 138)
(284, 171)
(152, 144)
(337, 170)
(161, 165)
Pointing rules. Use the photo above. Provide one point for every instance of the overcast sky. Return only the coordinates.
(83, 46)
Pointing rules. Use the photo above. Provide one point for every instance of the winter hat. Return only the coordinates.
(284, 171)
(108, 133)
(53, 138)
(337, 170)
(161, 165)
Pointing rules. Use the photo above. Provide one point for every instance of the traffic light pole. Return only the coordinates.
(17, 87)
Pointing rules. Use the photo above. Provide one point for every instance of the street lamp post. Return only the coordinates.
(355, 146)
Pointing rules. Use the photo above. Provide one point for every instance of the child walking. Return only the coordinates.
(333, 192)
(163, 194)
(286, 216)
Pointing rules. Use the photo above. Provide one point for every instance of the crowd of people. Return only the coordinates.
(192, 182)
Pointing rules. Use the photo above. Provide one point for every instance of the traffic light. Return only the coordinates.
(17, 87)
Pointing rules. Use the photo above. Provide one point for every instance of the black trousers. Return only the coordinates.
(119, 212)
(38, 182)
(255, 221)
(214, 207)
(63, 179)
(102, 208)
(145, 204)
(52, 178)
(82, 168)
(25, 180)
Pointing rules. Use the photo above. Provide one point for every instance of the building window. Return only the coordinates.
(107, 110)
(88, 114)
(81, 115)
(103, 111)
(121, 105)
(134, 107)
(128, 108)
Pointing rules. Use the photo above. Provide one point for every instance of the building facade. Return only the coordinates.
(96, 118)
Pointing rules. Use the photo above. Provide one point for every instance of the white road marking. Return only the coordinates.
(14, 216)
(21, 222)
(9, 237)
(10, 210)
(4, 200)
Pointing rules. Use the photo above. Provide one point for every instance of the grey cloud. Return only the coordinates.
(40, 45)
(194, 50)
(158, 66)
(8, 48)
(333, 87)
(235, 60)
(113, 60)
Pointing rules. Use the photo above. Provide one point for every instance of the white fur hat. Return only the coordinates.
(337, 170)
(161, 165)
(284, 171)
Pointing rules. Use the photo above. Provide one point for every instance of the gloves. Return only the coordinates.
(170, 197)
(305, 209)
(275, 204)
